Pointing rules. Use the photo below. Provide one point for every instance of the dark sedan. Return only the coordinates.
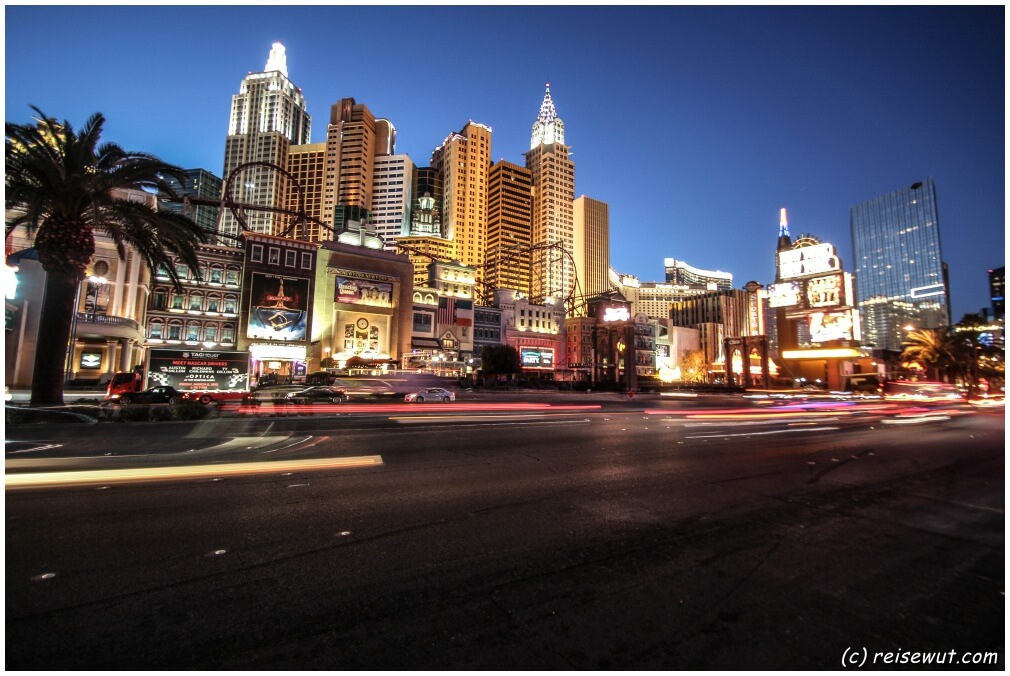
(311, 395)
(160, 394)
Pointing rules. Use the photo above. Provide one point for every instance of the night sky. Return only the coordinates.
(696, 125)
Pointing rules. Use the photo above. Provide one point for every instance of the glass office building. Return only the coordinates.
(901, 279)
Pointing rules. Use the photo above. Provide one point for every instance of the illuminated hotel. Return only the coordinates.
(592, 245)
(553, 172)
(901, 279)
(463, 161)
(268, 115)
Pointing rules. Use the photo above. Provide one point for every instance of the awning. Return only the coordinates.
(425, 343)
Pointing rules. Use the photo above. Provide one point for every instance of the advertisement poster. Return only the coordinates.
(364, 292)
(829, 326)
(196, 370)
(537, 357)
(824, 291)
(278, 309)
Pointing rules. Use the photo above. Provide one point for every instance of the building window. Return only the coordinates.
(290, 259)
(175, 331)
(213, 304)
(256, 253)
(195, 302)
(229, 305)
(210, 333)
(157, 328)
(275, 256)
(215, 275)
(306, 261)
(228, 334)
(193, 331)
(177, 301)
(160, 300)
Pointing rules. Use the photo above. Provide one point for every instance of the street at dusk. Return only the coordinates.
(550, 533)
(506, 338)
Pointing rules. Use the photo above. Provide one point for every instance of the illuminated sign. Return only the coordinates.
(199, 370)
(263, 351)
(91, 360)
(278, 307)
(824, 291)
(537, 357)
(828, 326)
(355, 291)
(927, 291)
(784, 294)
(616, 314)
(808, 260)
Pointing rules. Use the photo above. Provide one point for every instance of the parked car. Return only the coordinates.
(159, 394)
(430, 394)
(315, 395)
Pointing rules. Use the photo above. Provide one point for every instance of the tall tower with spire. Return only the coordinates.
(268, 116)
(553, 176)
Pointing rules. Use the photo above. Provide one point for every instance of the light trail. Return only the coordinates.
(186, 472)
(758, 434)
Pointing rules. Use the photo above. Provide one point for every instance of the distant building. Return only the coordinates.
(591, 245)
(392, 177)
(680, 273)
(509, 227)
(463, 161)
(901, 279)
(268, 116)
(996, 291)
(198, 183)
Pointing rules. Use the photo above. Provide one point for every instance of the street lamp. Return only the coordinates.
(95, 285)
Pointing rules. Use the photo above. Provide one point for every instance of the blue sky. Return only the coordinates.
(695, 124)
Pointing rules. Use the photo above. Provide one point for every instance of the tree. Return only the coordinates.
(693, 367)
(933, 349)
(500, 360)
(66, 186)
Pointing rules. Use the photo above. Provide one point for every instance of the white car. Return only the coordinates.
(430, 394)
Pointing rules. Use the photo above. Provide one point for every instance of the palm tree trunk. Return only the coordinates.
(53, 339)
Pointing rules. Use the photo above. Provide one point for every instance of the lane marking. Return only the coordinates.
(149, 474)
(759, 433)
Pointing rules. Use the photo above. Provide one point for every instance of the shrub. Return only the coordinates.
(135, 413)
(160, 413)
(186, 410)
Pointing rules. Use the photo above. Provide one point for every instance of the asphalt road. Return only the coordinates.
(626, 536)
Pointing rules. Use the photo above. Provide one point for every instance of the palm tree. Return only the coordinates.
(934, 349)
(66, 187)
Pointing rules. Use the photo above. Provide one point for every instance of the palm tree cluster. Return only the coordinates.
(65, 186)
(956, 353)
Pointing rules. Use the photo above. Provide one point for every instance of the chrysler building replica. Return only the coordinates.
(268, 116)
(553, 175)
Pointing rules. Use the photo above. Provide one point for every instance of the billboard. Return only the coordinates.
(829, 326)
(356, 291)
(188, 370)
(808, 260)
(537, 357)
(824, 292)
(784, 294)
(278, 307)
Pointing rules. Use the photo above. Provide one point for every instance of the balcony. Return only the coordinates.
(109, 326)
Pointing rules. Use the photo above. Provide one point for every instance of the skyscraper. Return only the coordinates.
(553, 173)
(997, 286)
(509, 214)
(306, 163)
(592, 245)
(463, 161)
(350, 151)
(900, 275)
(391, 182)
(268, 115)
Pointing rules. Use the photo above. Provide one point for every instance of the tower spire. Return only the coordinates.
(278, 60)
(783, 223)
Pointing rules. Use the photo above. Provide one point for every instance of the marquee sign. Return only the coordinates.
(808, 260)
(784, 294)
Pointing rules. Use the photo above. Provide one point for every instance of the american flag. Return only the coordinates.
(446, 311)
(452, 311)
